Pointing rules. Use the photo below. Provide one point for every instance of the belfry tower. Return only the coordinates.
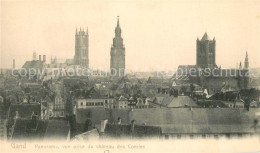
(117, 54)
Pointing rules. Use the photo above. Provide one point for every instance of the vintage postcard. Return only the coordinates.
(114, 76)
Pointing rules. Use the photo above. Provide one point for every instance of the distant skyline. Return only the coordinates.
(157, 34)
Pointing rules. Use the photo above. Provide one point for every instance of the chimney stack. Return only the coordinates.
(40, 57)
(44, 58)
(132, 126)
(103, 125)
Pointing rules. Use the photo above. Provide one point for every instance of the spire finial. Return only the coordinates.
(246, 55)
(118, 21)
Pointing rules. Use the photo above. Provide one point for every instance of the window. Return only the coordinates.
(105, 101)
(81, 103)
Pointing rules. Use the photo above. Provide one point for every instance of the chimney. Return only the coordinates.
(132, 126)
(40, 57)
(103, 125)
(44, 58)
(13, 63)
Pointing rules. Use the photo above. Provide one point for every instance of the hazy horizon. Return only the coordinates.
(155, 33)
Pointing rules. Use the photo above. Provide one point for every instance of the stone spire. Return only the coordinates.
(246, 64)
(118, 29)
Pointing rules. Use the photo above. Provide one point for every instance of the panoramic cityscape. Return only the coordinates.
(66, 100)
(116, 73)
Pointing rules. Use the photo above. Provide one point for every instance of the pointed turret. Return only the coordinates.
(76, 31)
(240, 65)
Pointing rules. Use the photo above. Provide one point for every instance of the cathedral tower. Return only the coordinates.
(117, 54)
(81, 48)
(206, 52)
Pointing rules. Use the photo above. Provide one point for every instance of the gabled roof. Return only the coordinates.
(122, 98)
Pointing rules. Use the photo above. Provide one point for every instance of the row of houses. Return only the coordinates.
(113, 103)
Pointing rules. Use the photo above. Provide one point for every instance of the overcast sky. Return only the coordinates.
(156, 33)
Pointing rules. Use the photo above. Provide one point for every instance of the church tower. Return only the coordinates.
(117, 53)
(206, 52)
(246, 64)
(81, 48)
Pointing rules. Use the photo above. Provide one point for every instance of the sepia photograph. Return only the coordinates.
(114, 76)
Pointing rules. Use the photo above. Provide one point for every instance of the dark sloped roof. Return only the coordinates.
(33, 64)
(198, 120)
(114, 130)
(179, 120)
(57, 129)
(171, 101)
(24, 129)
